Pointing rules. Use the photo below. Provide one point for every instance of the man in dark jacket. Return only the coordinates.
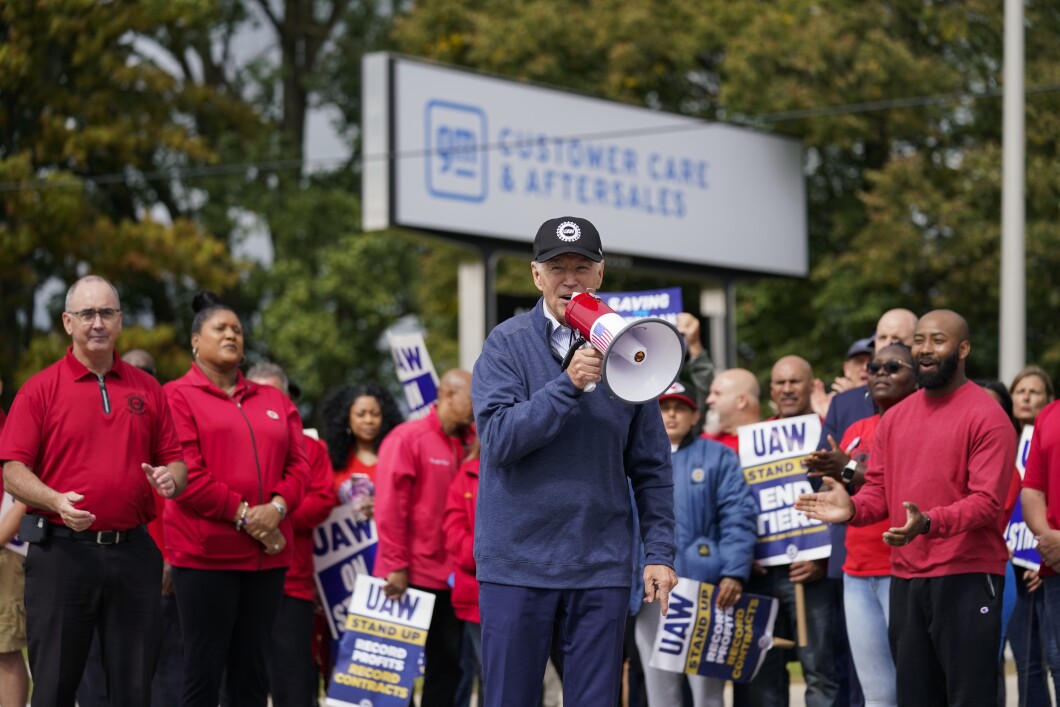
(554, 536)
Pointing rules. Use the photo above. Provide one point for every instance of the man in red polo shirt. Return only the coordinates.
(87, 444)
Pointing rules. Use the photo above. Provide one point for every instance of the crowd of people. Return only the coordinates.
(169, 528)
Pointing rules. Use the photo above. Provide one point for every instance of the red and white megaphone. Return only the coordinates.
(641, 358)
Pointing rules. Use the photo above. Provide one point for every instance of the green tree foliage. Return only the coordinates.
(324, 313)
(79, 100)
(903, 202)
(321, 304)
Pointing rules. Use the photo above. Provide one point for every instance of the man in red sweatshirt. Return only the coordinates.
(940, 469)
(417, 462)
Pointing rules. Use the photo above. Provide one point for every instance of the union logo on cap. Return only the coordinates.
(568, 232)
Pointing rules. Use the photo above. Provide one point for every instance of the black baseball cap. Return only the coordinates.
(567, 234)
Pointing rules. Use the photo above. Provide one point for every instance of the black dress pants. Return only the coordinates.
(294, 680)
(73, 588)
(442, 652)
(226, 619)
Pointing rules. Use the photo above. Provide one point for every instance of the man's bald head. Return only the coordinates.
(454, 379)
(946, 320)
(733, 400)
(142, 360)
(895, 326)
(791, 385)
(454, 401)
(940, 348)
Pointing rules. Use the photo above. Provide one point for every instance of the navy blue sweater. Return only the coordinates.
(553, 506)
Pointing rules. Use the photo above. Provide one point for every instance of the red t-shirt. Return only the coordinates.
(3, 417)
(356, 466)
(1043, 463)
(58, 427)
(953, 457)
(867, 554)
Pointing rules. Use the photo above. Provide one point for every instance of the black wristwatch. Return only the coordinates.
(927, 523)
(848, 471)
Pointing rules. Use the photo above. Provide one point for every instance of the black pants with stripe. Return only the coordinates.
(945, 634)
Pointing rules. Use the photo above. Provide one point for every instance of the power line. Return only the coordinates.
(252, 168)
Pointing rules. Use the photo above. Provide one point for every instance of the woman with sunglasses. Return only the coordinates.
(867, 570)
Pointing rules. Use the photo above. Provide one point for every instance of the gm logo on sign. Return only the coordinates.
(456, 156)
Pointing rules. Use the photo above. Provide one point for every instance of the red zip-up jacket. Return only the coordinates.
(459, 527)
(311, 512)
(417, 461)
(249, 447)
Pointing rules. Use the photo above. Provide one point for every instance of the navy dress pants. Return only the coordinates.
(517, 630)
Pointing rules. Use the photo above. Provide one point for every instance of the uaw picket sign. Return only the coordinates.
(380, 651)
(697, 638)
(1019, 537)
(415, 372)
(771, 454)
(343, 550)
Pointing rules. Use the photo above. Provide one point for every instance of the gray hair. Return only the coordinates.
(89, 278)
(267, 369)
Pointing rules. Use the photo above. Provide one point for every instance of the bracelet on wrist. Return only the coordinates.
(241, 521)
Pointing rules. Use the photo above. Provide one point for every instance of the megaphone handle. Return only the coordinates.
(589, 387)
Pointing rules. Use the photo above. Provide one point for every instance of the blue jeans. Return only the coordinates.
(1035, 622)
(867, 602)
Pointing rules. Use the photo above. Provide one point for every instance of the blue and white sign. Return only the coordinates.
(663, 304)
(380, 652)
(697, 638)
(343, 550)
(771, 454)
(456, 167)
(1019, 537)
(451, 150)
(415, 372)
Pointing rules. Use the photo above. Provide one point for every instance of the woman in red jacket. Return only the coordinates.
(458, 524)
(228, 538)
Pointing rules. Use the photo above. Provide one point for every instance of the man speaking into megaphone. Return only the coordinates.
(554, 522)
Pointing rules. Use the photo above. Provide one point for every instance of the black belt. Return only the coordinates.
(99, 537)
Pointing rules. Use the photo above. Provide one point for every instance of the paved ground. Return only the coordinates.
(798, 688)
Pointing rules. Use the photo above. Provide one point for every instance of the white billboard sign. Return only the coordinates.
(455, 151)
